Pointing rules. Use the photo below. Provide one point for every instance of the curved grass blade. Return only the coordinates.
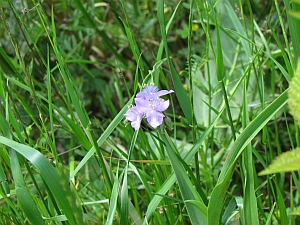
(24, 197)
(218, 195)
(51, 177)
(113, 202)
(172, 178)
(250, 203)
(104, 37)
(102, 138)
(124, 190)
(179, 90)
(186, 187)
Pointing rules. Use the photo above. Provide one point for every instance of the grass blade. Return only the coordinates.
(179, 90)
(51, 177)
(24, 197)
(186, 187)
(216, 203)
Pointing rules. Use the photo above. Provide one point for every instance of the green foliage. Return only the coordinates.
(288, 161)
(69, 70)
(294, 98)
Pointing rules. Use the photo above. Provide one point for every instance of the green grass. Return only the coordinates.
(69, 70)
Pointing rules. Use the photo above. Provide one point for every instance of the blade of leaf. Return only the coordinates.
(49, 175)
(172, 178)
(179, 90)
(219, 192)
(104, 37)
(102, 138)
(250, 204)
(113, 202)
(24, 197)
(186, 187)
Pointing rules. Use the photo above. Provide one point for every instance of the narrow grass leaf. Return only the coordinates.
(24, 197)
(8, 66)
(250, 204)
(179, 90)
(294, 27)
(65, 73)
(186, 187)
(219, 192)
(133, 45)
(172, 178)
(124, 199)
(101, 33)
(161, 45)
(219, 61)
(199, 205)
(102, 138)
(281, 205)
(49, 175)
(230, 208)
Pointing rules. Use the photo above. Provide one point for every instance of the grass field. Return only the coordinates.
(215, 143)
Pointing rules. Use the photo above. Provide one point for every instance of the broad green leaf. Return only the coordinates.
(217, 199)
(294, 98)
(238, 26)
(286, 162)
(296, 212)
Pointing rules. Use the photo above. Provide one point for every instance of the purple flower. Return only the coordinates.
(149, 105)
(134, 116)
(153, 110)
(151, 92)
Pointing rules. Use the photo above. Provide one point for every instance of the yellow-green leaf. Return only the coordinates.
(296, 212)
(294, 95)
(288, 161)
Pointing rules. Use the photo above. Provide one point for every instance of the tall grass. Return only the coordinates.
(69, 71)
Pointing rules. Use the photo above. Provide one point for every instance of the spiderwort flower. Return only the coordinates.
(148, 105)
(134, 116)
(151, 92)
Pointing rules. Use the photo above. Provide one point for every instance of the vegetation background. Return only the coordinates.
(70, 69)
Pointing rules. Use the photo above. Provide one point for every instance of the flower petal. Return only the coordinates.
(161, 105)
(142, 105)
(152, 92)
(163, 92)
(136, 124)
(134, 116)
(155, 118)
